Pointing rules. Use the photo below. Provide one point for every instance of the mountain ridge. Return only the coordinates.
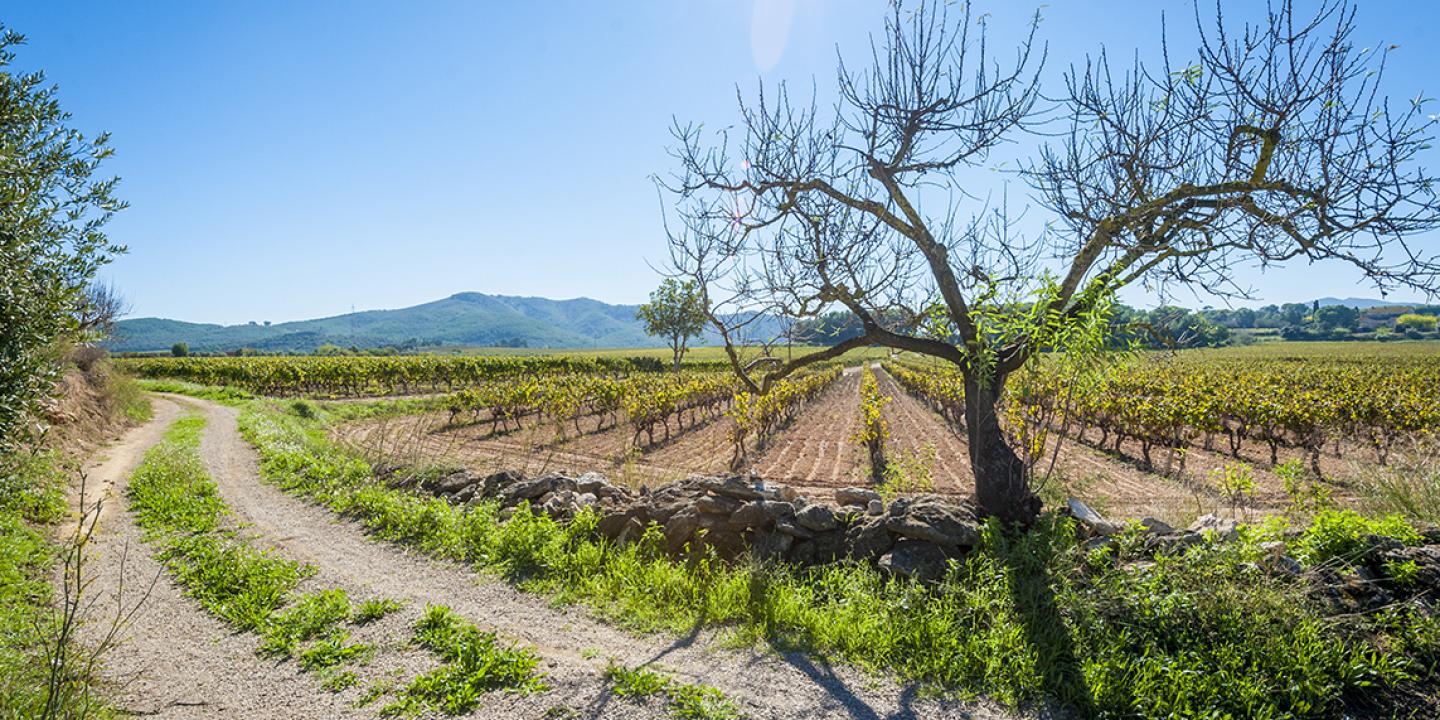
(462, 319)
(466, 318)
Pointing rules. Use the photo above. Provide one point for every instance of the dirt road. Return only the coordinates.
(183, 664)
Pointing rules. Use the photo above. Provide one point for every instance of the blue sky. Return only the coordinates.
(286, 160)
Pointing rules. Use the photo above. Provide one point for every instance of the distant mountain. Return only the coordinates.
(1361, 303)
(467, 318)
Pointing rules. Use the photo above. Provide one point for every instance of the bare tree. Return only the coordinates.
(1274, 143)
(99, 307)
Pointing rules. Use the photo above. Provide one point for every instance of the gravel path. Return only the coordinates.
(175, 661)
(184, 664)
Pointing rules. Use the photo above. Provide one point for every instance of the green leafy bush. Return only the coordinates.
(1341, 534)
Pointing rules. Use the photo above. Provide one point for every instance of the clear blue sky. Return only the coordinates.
(287, 160)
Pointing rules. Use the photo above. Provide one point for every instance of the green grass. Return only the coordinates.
(310, 616)
(222, 394)
(476, 663)
(369, 611)
(684, 700)
(170, 491)
(333, 651)
(1021, 618)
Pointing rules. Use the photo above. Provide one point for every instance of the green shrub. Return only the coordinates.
(1341, 534)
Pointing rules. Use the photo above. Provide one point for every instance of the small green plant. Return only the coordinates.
(372, 693)
(338, 681)
(373, 609)
(475, 663)
(700, 702)
(332, 651)
(1306, 496)
(1405, 573)
(689, 701)
(1235, 481)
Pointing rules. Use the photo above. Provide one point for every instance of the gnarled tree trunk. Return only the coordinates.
(1001, 488)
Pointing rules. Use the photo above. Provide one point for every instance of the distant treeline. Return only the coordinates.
(1178, 327)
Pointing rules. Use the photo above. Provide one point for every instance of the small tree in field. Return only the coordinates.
(1264, 143)
(676, 312)
(179, 349)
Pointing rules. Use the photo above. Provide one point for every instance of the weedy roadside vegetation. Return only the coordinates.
(46, 670)
(1026, 617)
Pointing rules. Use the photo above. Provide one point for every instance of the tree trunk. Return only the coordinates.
(1000, 487)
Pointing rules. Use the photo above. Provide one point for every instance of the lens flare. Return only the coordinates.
(770, 31)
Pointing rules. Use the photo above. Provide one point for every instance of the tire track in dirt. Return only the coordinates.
(815, 453)
(918, 431)
(174, 660)
(346, 557)
(702, 448)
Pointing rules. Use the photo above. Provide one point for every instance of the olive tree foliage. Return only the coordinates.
(675, 312)
(53, 210)
(1262, 143)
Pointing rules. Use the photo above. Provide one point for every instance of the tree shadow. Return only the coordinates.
(1027, 558)
(824, 676)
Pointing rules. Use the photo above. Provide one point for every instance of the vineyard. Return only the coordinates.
(372, 376)
(1151, 433)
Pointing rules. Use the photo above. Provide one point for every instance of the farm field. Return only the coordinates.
(1156, 438)
(325, 479)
